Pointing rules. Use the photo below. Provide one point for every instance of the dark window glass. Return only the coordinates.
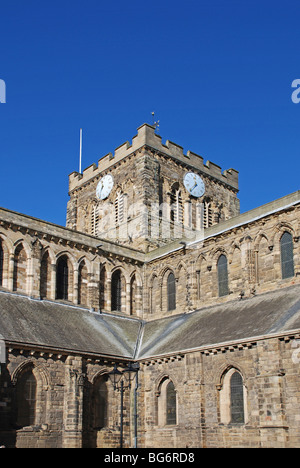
(100, 404)
(171, 404)
(222, 276)
(287, 255)
(171, 288)
(26, 399)
(102, 288)
(116, 291)
(237, 398)
(62, 279)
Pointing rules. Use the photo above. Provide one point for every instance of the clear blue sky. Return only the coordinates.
(217, 73)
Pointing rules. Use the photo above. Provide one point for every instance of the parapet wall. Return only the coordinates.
(147, 137)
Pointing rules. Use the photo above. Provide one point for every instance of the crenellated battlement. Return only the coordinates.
(147, 137)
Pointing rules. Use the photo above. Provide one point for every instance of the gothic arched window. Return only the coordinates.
(45, 276)
(102, 288)
(171, 405)
(116, 291)
(62, 278)
(100, 403)
(166, 407)
(287, 255)
(237, 399)
(171, 291)
(20, 269)
(222, 276)
(26, 399)
(82, 283)
(133, 292)
(233, 398)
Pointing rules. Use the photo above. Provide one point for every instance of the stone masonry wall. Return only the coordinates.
(272, 402)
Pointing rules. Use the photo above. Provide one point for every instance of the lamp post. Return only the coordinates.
(117, 378)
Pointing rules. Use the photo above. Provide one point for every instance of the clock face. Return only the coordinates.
(194, 184)
(104, 187)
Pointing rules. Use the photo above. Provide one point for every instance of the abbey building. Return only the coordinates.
(157, 271)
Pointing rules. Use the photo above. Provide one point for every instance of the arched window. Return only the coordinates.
(100, 403)
(222, 276)
(171, 404)
(237, 399)
(116, 291)
(133, 291)
(166, 408)
(62, 278)
(233, 398)
(1, 263)
(20, 269)
(287, 255)
(171, 292)
(82, 283)
(45, 276)
(26, 399)
(102, 288)
(155, 296)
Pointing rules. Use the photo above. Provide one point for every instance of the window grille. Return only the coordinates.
(223, 276)
(116, 291)
(26, 399)
(171, 404)
(287, 255)
(171, 292)
(237, 399)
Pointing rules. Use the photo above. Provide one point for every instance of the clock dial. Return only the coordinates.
(194, 184)
(104, 187)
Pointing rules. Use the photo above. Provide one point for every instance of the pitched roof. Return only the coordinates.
(63, 327)
(58, 326)
(266, 314)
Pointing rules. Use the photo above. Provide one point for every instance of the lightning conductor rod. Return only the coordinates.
(80, 151)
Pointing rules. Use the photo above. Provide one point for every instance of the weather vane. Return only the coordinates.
(155, 124)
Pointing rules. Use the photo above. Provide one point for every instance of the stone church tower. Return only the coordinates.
(156, 270)
(147, 194)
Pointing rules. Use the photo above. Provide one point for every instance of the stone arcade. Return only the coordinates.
(157, 266)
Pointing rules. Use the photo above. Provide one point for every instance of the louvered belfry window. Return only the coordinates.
(223, 276)
(119, 208)
(287, 255)
(171, 292)
(176, 207)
